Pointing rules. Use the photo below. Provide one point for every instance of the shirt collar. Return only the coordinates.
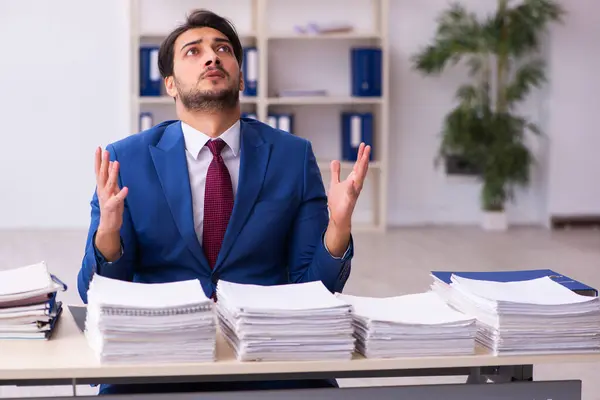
(196, 140)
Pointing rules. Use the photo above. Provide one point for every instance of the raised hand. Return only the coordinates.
(343, 195)
(110, 196)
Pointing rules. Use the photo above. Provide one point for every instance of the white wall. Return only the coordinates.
(574, 111)
(65, 86)
(64, 70)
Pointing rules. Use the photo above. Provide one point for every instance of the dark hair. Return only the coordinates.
(197, 19)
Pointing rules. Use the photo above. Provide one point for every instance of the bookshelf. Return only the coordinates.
(307, 60)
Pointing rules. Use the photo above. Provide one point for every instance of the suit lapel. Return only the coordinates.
(171, 166)
(253, 166)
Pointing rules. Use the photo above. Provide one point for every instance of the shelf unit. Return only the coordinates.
(259, 35)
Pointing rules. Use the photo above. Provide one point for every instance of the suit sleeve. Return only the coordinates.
(93, 261)
(309, 259)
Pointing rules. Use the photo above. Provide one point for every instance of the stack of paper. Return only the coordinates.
(139, 322)
(28, 305)
(301, 321)
(525, 317)
(412, 325)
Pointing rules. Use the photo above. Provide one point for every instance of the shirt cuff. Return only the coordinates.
(331, 255)
(100, 259)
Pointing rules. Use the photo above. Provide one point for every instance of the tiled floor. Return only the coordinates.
(391, 264)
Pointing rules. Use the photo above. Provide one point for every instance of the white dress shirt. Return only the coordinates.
(199, 158)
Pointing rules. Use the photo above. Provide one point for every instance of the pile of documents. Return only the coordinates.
(28, 305)
(130, 322)
(290, 322)
(412, 325)
(526, 317)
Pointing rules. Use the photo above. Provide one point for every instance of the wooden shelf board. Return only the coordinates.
(323, 36)
(308, 100)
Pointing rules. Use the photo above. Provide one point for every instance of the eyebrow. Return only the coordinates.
(198, 41)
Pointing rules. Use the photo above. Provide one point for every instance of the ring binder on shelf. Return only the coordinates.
(366, 71)
(250, 71)
(150, 79)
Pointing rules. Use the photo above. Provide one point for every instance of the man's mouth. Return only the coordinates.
(214, 74)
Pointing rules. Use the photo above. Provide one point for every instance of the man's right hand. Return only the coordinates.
(111, 202)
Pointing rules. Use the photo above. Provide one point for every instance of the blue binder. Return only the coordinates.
(52, 309)
(366, 71)
(249, 115)
(356, 128)
(150, 79)
(250, 71)
(146, 121)
(272, 120)
(285, 122)
(520, 275)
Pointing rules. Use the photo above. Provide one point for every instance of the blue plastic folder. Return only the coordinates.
(250, 71)
(366, 71)
(356, 128)
(150, 79)
(520, 275)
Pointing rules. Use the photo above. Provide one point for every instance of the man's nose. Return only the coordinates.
(213, 58)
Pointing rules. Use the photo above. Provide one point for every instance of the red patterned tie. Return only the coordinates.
(218, 202)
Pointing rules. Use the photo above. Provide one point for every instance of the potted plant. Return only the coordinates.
(484, 129)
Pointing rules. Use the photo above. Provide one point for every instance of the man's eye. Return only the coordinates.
(225, 48)
(192, 51)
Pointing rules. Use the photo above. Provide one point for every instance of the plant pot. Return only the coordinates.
(494, 221)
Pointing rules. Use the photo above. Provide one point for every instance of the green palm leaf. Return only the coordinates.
(500, 51)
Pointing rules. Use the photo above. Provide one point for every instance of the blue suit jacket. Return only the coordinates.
(275, 234)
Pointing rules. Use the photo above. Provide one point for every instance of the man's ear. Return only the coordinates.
(241, 81)
(170, 86)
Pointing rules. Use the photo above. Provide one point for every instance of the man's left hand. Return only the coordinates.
(343, 195)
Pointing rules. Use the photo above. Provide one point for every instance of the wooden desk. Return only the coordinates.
(67, 359)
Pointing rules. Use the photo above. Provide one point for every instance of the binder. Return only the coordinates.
(146, 121)
(250, 71)
(520, 275)
(42, 330)
(249, 115)
(285, 122)
(356, 128)
(272, 121)
(366, 71)
(47, 310)
(150, 79)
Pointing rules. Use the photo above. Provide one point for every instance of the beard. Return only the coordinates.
(208, 100)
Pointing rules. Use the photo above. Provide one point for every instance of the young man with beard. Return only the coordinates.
(214, 196)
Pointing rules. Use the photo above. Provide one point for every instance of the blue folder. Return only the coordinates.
(366, 71)
(150, 79)
(356, 128)
(283, 121)
(520, 275)
(250, 71)
(249, 115)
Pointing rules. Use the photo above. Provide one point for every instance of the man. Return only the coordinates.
(213, 196)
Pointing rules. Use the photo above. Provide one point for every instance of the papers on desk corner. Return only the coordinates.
(526, 317)
(28, 305)
(411, 325)
(290, 322)
(139, 322)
